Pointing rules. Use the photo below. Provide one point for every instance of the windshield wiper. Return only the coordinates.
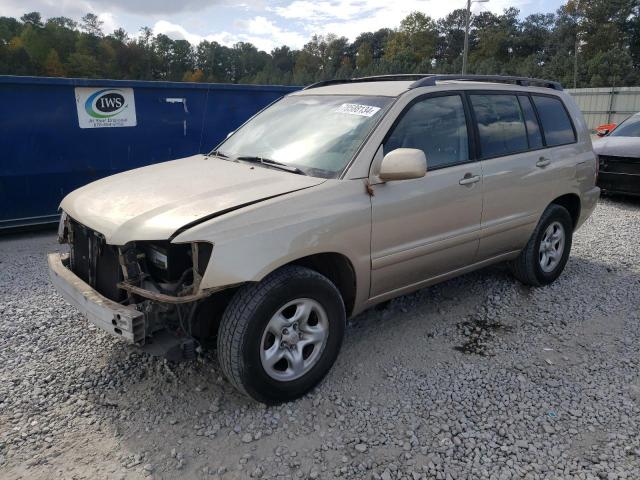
(271, 163)
(218, 153)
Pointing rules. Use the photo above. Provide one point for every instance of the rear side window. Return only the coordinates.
(533, 129)
(556, 124)
(500, 124)
(438, 127)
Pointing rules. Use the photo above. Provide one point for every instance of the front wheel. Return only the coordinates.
(278, 338)
(546, 254)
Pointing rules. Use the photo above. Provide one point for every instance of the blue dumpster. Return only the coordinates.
(57, 134)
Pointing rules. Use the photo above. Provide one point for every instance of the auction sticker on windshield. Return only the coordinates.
(357, 109)
(105, 107)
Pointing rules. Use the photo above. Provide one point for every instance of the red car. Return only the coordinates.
(602, 130)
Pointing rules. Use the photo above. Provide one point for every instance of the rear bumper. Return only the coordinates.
(625, 183)
(118, 320)
(588, 205)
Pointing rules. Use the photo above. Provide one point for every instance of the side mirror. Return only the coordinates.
(602, 133)
(403, 164)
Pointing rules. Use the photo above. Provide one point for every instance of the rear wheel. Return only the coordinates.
(547, 252)
(278, 338)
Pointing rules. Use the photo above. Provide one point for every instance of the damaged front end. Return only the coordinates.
(158, 280)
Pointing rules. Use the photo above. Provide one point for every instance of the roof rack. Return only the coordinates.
(429, 80)
(376, 78)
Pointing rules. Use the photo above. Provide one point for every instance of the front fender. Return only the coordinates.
(250, 243)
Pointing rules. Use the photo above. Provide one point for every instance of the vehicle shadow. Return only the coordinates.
(625, 202)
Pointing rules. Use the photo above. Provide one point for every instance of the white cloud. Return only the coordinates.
(349, 18)
(259, 31)
(268, 35)
(109, 22)
(147, 7)
(178, 32)
(324, 10)
(264, 23)
(48, 8)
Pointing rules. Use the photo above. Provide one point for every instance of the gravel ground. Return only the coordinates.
(478, 377)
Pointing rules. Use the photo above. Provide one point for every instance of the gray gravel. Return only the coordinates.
(478, 377)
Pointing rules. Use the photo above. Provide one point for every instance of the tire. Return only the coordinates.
(245, 336)
(528, 267)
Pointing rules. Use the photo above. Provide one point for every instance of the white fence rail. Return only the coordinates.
(606, 105)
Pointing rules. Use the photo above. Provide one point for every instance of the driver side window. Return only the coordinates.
(438, 127)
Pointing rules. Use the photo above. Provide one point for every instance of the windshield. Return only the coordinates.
(318, 134)
(629, 128)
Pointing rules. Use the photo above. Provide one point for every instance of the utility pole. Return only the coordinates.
(577, 45)
(575, 63)
(465, 54)
(466, 38)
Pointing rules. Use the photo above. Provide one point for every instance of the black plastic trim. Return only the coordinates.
(375, 78)
(430, 80)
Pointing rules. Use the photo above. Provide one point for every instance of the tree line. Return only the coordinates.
(587, 43)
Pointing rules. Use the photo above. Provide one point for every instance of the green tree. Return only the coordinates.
(52, 65)
(62, 23)
(533, 35)
(14, 59)
(9, 28)
(377, 41)
(414, 43)
(634, 36)
(308, 63)
(182, 59)
(364, 56)
(33, 18)
(163, 50)
(35, 44)
(62, 33)
(120, 35)
(195, 76)
(283, 59)
(335, 56)
(450, 39)
(92, 25)
(83, 66)
(214, 60)
(603, 35)
(496, 41)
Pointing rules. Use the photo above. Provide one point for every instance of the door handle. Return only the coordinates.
(543, 162)
(469, 179)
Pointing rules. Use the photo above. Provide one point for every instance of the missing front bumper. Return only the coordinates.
(118, 320)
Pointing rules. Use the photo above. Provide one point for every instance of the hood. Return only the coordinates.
(618, 146)
(152, 203)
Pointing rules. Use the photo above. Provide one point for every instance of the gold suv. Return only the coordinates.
(332, 199)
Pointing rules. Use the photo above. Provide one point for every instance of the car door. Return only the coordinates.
(427, 227)
(559, 164)
(518, 170)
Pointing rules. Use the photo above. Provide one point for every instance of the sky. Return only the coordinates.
(266, 24)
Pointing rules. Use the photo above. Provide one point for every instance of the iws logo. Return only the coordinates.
(105, 103)
(105, 107)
